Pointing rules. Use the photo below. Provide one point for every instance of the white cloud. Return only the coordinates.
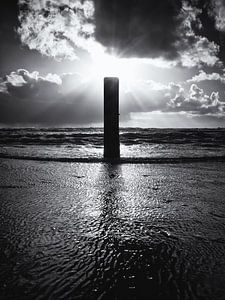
(3, 87)
(57, 28)
(195, 50)
(202, 52)
(196, 102)
(203, 76)
(158, 62)
(196, 94)
(22, 77)
(151, 85)
(218, 11)
(175, 91)
(15, 79)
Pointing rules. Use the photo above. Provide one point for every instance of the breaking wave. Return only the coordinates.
(137, 145)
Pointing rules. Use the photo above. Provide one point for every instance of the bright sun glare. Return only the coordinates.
(106, 65)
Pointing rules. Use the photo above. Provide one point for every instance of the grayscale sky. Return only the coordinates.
(168, 54)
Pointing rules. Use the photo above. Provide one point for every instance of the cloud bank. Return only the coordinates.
(203, 76)
(29, 98)
(195, 102)
(130, 28)
(174, 98)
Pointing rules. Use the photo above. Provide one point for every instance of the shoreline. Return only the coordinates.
(122, 160)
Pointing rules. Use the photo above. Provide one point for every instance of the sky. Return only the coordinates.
(168, 54)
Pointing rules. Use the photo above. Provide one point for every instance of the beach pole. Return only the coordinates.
(111, 118)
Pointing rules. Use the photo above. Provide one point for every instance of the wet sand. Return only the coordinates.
(101, 231)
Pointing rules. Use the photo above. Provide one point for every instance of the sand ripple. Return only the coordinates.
(98, 231)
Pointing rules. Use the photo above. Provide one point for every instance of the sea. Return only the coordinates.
(136, 144)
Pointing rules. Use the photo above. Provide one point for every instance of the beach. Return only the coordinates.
(112, 231)
(112, 150)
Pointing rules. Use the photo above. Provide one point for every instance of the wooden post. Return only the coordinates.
(111, 118)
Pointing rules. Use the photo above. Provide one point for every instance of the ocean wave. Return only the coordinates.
(137, 145)
(128, 136)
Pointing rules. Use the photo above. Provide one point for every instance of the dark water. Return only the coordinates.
(87, 143)
(101, 231)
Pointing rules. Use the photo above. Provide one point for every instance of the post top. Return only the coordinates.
(111, 79)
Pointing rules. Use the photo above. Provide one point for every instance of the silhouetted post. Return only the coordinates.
(111, 118)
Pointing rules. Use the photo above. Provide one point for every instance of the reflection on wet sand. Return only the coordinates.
(128, 267)
(103, 231)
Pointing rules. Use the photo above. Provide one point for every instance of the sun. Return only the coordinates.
(106, 65)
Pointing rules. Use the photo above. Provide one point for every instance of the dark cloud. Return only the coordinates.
(128, 28)
(142, 28)
(212, 20)
(28, 98)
